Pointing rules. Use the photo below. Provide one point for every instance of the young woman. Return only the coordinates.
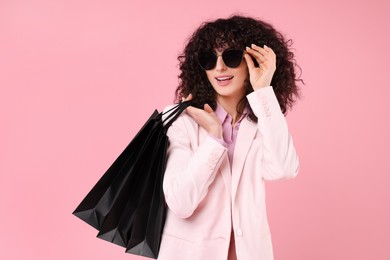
(241, 72)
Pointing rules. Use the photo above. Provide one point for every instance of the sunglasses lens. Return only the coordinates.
(232, 58)
(207, 60)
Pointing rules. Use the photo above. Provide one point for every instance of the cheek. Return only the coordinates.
(242, 70)
(209, 76)
(243, 73)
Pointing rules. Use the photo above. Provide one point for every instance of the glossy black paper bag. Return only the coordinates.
(137, 190)
(127, 204)
(96, 205)
(149, 220)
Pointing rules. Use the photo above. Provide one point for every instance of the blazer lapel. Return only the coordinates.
(245, 136)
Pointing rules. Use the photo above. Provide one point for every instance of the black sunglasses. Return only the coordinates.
(231, 57)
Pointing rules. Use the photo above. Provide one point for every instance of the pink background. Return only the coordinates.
(78, 79)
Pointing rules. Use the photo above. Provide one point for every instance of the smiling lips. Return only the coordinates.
(224, 79)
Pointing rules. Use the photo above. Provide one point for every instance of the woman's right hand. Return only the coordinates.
(206, 118)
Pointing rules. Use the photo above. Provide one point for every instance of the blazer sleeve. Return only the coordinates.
(279, 160)
(190, 168)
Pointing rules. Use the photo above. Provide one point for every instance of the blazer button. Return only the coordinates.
(239, 232)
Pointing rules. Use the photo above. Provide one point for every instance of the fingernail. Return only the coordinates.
(247, 48)
(265, 46)
(253, 44)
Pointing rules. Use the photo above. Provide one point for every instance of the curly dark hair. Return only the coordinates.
(237, 32)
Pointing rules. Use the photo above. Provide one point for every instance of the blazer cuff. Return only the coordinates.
(264, 102)
(219, 140)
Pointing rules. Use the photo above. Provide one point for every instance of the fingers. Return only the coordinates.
(264, 50)
(258, 53)
(193, 111)
(249, 61)
(207, 108)
(197, 112)
(260, 76)
(199, 115)
(262, 55)
(207, 119)
(189, 97)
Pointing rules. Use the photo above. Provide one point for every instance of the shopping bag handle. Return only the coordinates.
(174, 113)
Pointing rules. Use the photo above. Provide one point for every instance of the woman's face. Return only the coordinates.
(228, 82)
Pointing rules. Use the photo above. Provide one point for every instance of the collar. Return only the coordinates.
(223, 115)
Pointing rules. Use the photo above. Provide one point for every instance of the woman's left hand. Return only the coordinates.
(206, 118)
(260, 76)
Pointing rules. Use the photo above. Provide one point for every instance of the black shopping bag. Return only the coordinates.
(127, 204)
(99, 201)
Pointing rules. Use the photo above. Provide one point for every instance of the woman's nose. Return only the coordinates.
(220, 66)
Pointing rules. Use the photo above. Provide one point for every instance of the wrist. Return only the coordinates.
(216, 132)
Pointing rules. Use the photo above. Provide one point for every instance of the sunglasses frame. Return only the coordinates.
(224, 58)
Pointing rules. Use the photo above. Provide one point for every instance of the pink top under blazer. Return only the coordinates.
(206, 199)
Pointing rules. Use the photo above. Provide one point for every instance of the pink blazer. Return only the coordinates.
(206, 199)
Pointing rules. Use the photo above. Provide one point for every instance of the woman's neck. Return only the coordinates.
(230, 106)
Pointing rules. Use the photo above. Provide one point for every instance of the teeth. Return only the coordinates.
(224, 78)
